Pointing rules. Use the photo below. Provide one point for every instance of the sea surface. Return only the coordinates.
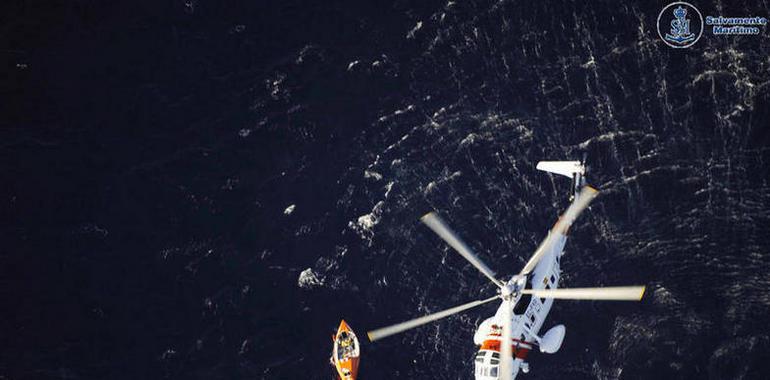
(200, 189)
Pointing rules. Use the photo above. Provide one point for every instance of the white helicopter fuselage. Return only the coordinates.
(529, 313)
(526, 297)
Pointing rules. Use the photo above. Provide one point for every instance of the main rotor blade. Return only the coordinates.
(435, 223)
(617, 293)
(403, 326)
(587, 194)
(506, 351)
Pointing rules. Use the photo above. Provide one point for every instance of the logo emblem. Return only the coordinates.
(685, 26)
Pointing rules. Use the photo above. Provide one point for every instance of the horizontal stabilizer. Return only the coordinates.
(552, 340)
(565, 168)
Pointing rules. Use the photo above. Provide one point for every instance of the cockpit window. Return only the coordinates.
(492, 371)
(487, 363)
(495, 358)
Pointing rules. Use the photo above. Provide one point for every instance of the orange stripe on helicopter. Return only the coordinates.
(520, 348)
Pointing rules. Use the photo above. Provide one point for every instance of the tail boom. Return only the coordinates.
(575, 170)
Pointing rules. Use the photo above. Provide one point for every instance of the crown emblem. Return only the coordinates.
(680, 12)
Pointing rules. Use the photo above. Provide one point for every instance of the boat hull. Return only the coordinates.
(347, 353)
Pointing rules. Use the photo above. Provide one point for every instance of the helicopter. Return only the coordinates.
(506, 339)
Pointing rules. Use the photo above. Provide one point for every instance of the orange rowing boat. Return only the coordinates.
(346, 352)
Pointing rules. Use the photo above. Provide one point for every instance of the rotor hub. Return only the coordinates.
(512, 287)
(508, 290)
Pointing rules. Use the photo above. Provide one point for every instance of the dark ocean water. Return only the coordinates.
(202, 190)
